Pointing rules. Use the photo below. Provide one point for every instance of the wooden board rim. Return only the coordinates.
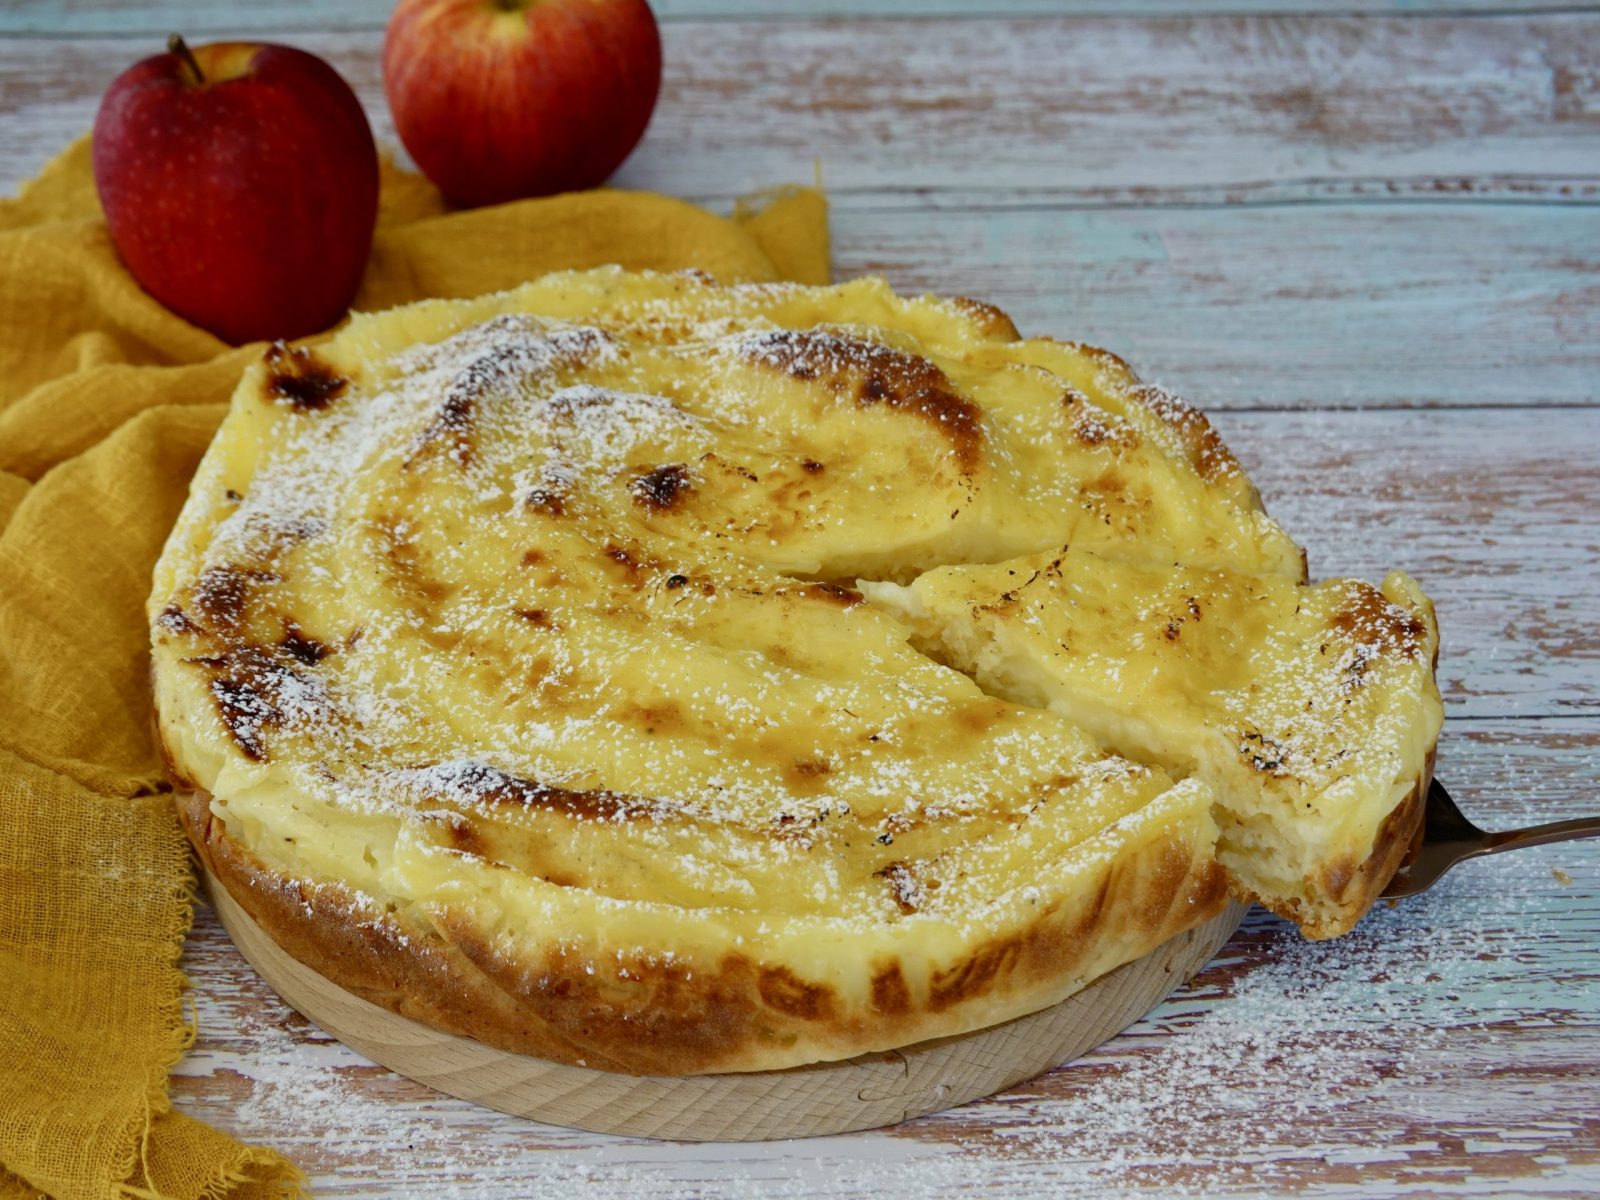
(866, 1092)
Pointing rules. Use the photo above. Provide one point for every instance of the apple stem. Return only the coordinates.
(176, 45)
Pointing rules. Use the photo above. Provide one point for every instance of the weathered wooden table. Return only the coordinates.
(1369, 243)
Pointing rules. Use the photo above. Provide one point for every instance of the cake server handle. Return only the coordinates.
(1449, 838)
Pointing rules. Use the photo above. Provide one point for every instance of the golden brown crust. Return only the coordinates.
(873, 375)
(476, 906)
(1203, 446)
(448, 976)
(1355, 886)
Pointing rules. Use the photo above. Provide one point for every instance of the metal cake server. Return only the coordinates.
(1448, 838)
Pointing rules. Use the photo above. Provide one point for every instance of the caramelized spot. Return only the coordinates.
(450, 429)
(499, 356)
(541, 670)
(464, 835)
(281, 536)
(534, 616)
(1095, 428)
(400, 548)
(973, 977)
(490, 785)
(1109, 364)
(298, 378)
(625, 560)
(222, 594)
(1214, 460)
(668, 1013)
(833, 593)
(547, 500)
(301, 647)
(1176, 621)
(255, 693)
(812, 768)
(1207, 451)
(876, 375)
(633, 565)
(1355, 671)
(173, 620)
(738, 470)
(890, 995)
(799, 829)
(662, 487)
(1368, 618)
(901, 821)
(1262, 753)
(440, 639)
(654, 718)
(811, 466)
(1008, 599)
(783, 990)
(904, 887)
(245, 714)
(981, 716)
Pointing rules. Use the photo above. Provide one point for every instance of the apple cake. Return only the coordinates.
(671, 677)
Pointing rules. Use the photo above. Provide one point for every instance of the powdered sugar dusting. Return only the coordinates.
(1283, 1043)
(478, 623)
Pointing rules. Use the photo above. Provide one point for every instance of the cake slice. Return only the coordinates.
(1310, 711)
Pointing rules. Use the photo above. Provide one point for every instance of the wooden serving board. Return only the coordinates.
(822, 1098)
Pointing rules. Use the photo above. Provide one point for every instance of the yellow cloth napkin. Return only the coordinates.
(107, 401)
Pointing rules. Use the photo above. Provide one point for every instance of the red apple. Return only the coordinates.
(240, 184)
(499, 99)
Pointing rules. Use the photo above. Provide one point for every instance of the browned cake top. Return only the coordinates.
(542, 617)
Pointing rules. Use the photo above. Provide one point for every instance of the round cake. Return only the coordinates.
(672, 677)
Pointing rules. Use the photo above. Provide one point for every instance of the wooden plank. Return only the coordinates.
(1446, 1046)
(1263, 301)
(1092, 111)
(279, 16)
(1348, 306)
(1126, 103)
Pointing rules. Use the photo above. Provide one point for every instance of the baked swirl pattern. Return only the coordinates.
(671, 677)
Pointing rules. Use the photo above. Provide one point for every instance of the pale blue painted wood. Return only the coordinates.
(1238, 111)
(90, 17)
(1287, 307)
